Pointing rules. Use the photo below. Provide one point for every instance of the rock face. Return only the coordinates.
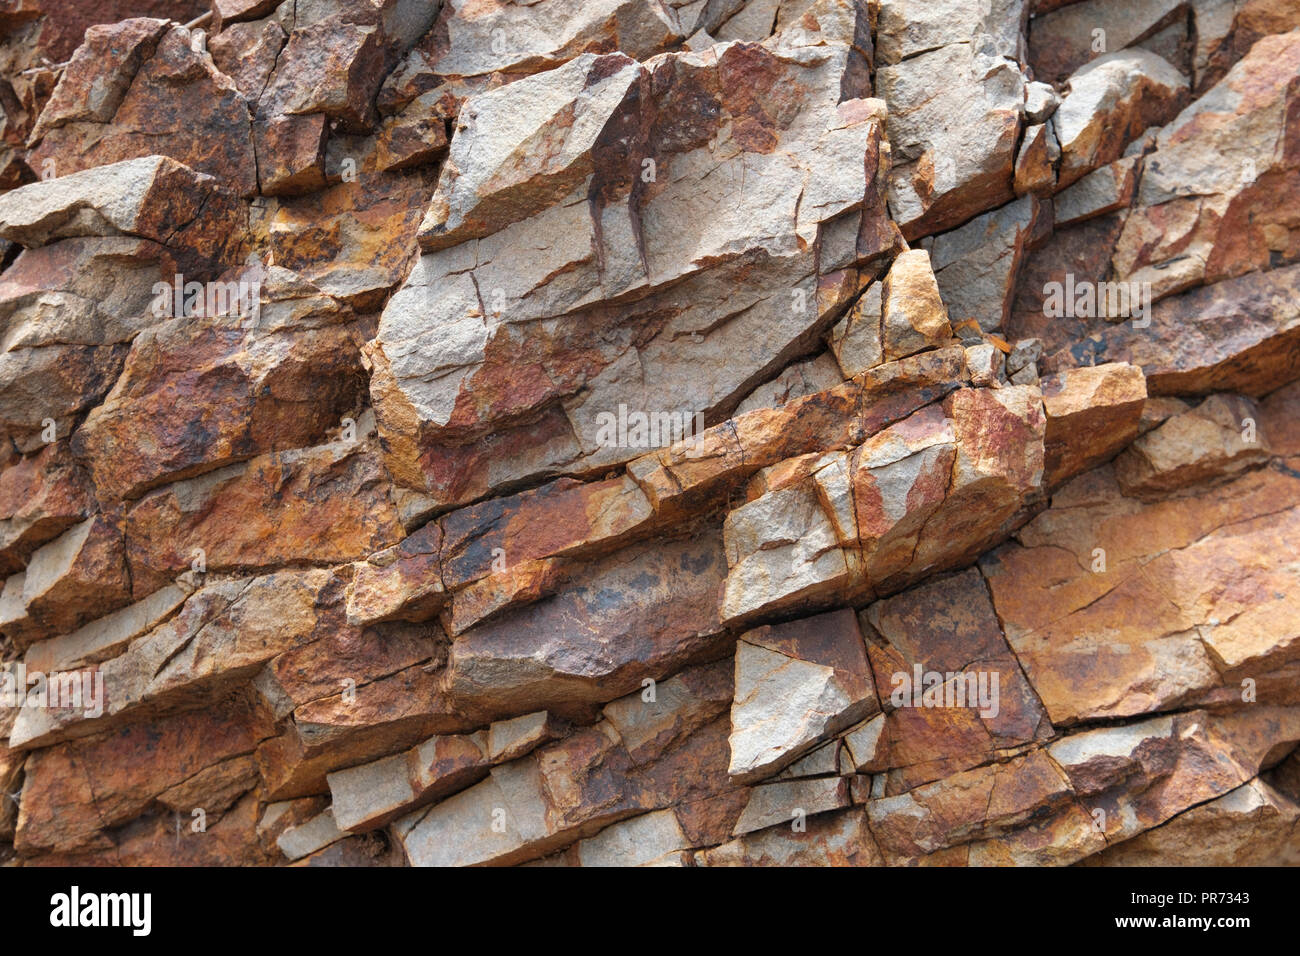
(742, 433)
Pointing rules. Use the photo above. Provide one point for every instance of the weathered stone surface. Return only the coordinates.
(1118, 606)
(840, 838)
(306, 838)
(401, 582)
(325, 504)
(1036, 161)
(1111, 101)
(653, 839)
(689, 474)
(353, 726)
(152, 197)
(1101, 191)
(439, 384)
(978, 705)
(354, 239)
(1142, 775)
(371, 795)
(173, 101)
(246, 52)
(978, 803)
(796, 685)
(789, 801)
(460, 47)
(913, 314)
(1063, 40)
(643, 613)
(1092, 413)
(76, 576)
(1237, 144)
(253, 390)
(71, 309)
(997, 471)
(1238, 335)
(222, 635)
(106, 636)
(538, 808)
(857, 340)
(1254, 825)
(73, 790)
(976, 266)
(1216, 439)
(511, 739)
(951, 77)
(802, 378)
(40, 497)
(97, 77)
(783, 553)
(573, 433)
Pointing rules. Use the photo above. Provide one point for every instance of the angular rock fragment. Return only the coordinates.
(599, 231)
(1101, 191)
(791, 801)
(106, 636)
(1207, 206)
(171, 99)
(1092, 413)
(983, 802)
(401, 582)
(976, 266)
(951, 77)
(370, 795)
(951, 685)
(838, 838)
(78, 575)
(796, 685)
(222, 635)
(782, 553)
(1111, 101)
(1216, 439)
(1142, 775)
(857, 339)
(687, 475)
(306, 838)
(653, 839)
(511, 739)
(252, 391)
(1036, 161)
(913, 314)
(641, 614)
(40, 497)
(152, 197)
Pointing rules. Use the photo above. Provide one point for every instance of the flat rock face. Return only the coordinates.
(674, 433)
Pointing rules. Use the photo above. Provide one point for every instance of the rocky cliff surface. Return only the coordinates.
(675, 432)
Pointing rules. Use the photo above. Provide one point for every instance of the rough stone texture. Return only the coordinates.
(621, 433)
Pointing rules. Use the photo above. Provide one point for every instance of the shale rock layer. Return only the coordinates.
(649, 432)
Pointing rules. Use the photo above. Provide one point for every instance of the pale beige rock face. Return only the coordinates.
(1216, 439)
(1111, 101)
(557, 433)
(913, 314)
(951, 75)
